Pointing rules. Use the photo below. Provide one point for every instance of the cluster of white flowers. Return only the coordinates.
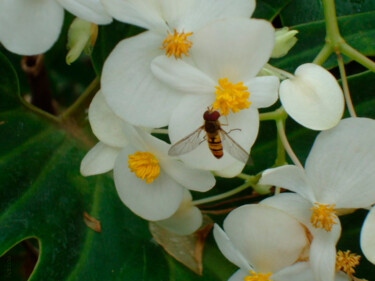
(196, 69)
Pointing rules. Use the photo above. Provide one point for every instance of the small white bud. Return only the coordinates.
(285, 39)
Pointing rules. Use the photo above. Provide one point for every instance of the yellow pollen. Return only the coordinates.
(230, 96)
(177, 44)
(257, 277)
(346, 262)
(144, 165)
(323, 216)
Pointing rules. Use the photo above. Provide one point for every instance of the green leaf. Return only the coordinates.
(269, 9)
(358, 31)
(43, 195)
(304, 11)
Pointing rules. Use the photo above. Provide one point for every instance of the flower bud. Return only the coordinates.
(81, 37)
(284, 40)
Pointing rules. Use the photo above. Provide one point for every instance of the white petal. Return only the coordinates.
(341, 164)
(30, 27)
(367, 236)
(301, 271)
(188, 116)
(293, 204)
(230, 171)
(239, 275)
(106, 126)
(182, 76)
(313, 98)
(100, 159)
(144, 13)
(268, 238)
(130, 88)
(154, 201)
(289, 177)
(228, 250)
(186, 220)
(220, 52)
(90, 10)
(263, 90)
(204, 12)
(323, 253)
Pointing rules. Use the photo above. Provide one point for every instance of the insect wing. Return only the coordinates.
(233, 148)
(187, 144)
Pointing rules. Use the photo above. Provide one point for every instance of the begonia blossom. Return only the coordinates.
(338, 175)
(147, 180)
(313, 97)
(264, 241)
(221, 75)
(30, 27)
(128, 84)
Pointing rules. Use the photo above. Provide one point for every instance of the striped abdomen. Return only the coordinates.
(215, 145)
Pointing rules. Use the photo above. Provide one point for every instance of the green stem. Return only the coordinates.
(345, 86)
(273, 115)
(357, 56)
(244, 176)
(282, 74)
(281, 132)
(280, 158)
(251, 181)
(83, 101)
(332, 28)
(40, 112)
(324, 54)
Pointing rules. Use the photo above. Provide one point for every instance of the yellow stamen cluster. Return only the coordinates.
(346, 262)
(323, 216)
(230, 96)
(257, 277)
(177, 44)
(144, 165)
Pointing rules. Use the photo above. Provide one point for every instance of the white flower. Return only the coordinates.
(147, 180)
(130, 88)
(30, 27)
(225, 58)
(367, 240)
(263, 240)
(338, 175)
(186, 220)
(313, 97)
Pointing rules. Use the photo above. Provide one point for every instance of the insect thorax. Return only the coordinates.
(211, 126)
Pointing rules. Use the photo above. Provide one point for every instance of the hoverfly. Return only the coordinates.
(216, 138)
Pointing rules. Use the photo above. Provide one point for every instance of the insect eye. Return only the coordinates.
(206, 115)
(214, 116)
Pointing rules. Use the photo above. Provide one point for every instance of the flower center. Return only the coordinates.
(323, 216)
(346, 262)
(177, 44)
(230, 96)
(144, 165)
(257, 277)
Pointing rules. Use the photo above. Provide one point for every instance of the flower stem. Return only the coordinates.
(77, 108)
(357, 56)
(282, 74)
(273, 115)
(324, 54)
(281, 132)
(345, 86)
(251, 181)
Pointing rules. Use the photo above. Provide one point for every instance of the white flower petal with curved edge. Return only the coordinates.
(239, 275)
(293, 204)
(323, 253)
(231, 171)
(227, 248)
(192, 179)
(154, 201)
(290, 177)
(106, 126)
(144, 13)
(263, 90)
(367, 236)
(313, 97)
(268, 238)
(182, 76)
(341, 164)
(236, 49)
(130, 88)
(30, 27)
(90, 10)
(186, 220)
(100, 159)
(188, 117)
(204, 12)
